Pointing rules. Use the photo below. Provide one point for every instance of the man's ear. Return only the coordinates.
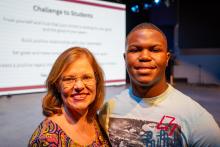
(168, 57)
(124, 55)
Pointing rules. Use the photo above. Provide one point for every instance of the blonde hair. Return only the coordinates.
(52, 101)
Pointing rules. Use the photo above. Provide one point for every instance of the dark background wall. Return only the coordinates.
(192, 29)
(198, 24)
(197, 44)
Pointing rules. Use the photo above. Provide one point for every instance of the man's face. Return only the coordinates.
(146, 57)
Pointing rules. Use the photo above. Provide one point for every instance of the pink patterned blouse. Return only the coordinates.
(49, 134)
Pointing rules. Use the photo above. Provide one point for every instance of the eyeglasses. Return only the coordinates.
(71, 80)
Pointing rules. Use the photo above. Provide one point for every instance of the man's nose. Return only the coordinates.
(145, 55)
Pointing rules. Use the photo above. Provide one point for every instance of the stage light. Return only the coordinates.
(156, 1)
(135, 8)
(144, 5)
(147, 6)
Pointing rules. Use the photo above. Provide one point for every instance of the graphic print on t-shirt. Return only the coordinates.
(141, 133)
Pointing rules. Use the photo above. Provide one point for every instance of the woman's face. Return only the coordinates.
(78, 85)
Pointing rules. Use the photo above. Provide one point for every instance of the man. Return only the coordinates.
(151, 112)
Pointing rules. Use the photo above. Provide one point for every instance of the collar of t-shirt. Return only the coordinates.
(150, 101)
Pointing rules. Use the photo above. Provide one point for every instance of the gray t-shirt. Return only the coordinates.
(170, 119)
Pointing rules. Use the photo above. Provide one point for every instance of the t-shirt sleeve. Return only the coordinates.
(205, 131)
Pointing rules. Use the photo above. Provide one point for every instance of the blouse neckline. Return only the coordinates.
(97, 138)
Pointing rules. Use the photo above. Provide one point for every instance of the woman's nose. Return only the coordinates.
(78, 85)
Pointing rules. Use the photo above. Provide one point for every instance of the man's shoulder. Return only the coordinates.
(122, 96)
(181, 97)
(182, 101)
(119, 103)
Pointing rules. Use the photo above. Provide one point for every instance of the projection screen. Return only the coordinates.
(35, 32)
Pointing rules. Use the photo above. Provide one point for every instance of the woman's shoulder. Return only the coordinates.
(46, 133)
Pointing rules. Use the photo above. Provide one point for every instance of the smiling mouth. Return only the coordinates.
(148, 67)
(145, 70)
(79, 97)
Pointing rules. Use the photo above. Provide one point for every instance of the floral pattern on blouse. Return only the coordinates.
(49, 134)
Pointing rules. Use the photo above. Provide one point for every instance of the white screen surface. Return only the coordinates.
(35, 32)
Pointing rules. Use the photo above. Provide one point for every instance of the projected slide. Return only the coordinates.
(35, 32)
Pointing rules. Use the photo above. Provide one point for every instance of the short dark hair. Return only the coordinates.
(145, 25)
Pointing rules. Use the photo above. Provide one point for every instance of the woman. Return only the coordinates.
(75, 93)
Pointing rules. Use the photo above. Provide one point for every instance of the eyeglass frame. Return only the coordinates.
(87, 80)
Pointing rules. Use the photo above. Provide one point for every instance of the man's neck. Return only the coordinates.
(150, 90)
